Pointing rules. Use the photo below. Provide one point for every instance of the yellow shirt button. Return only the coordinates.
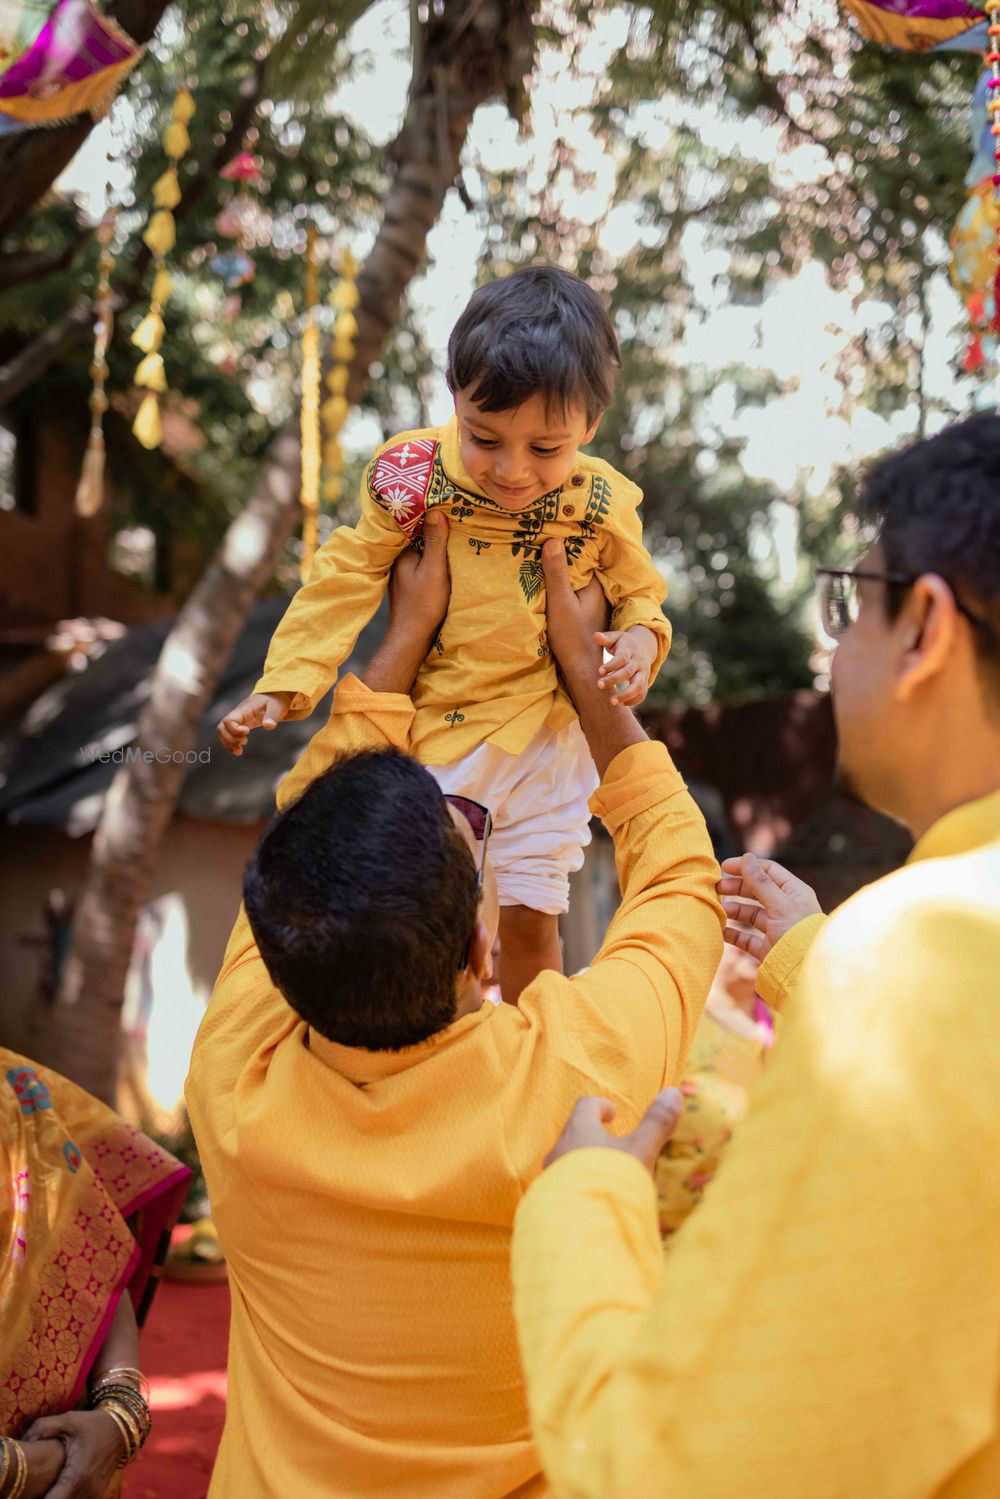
(577, 480)
(569, 510)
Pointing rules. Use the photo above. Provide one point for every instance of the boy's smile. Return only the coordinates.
(518, 455)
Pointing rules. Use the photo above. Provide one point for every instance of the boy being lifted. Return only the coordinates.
(531, 365)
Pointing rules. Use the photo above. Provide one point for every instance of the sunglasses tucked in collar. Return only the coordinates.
(840, 603)
(479, 820)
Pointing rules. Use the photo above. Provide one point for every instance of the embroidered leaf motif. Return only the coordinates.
(531, 577)
(600, 501)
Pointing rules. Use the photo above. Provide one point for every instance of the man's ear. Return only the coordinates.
(481, 953)
(931, 621)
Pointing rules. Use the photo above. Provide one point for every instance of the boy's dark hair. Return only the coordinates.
(937, 508)
(361, 896)
(540, 331)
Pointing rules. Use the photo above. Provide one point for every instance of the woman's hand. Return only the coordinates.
(94, 1448)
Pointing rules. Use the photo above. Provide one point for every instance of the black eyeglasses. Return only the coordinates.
(481, 822)
(840, 600)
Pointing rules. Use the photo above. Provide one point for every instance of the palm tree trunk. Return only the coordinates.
(474, 51)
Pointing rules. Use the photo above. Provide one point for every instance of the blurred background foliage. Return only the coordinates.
(837, 153)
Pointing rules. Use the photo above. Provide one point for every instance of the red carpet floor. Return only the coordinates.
(184, 1355)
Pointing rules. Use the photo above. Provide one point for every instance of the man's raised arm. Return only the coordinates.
(646, 988)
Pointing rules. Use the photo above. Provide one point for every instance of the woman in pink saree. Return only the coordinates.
(87, 1207)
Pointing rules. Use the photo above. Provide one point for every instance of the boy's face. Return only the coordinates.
(516, 456)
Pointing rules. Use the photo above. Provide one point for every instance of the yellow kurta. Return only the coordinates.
(490, 675)
(827, 1324)
(365, 1200)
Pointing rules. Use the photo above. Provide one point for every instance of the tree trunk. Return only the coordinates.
(31, 160)
(474, 51)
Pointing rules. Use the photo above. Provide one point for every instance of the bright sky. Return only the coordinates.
(799, 331)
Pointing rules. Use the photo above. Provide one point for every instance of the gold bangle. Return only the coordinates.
(132, 1425)
(129, 1403)
(21, 1481)
(6, 1443)
(109, 1375)
(124, 1433)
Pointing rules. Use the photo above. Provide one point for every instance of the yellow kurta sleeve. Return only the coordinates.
(826, 1324)
(778, 975)
(634, 587)
(326, 616)
(638, 1003)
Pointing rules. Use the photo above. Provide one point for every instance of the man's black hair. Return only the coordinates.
(361, 896)
(937, 508)
(540, 331)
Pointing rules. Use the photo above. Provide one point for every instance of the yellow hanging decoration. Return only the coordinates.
(149, 375)
(309, 492)
(343, 298)
(90, 490)
(149, 334)
(160, 236)
(147, 426)
(167, 190)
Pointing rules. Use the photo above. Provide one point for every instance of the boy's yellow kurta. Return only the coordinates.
(490, 675)
(827, 1324)
(365, 1199)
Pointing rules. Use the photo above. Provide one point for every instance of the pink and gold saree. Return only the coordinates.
(88, 1203)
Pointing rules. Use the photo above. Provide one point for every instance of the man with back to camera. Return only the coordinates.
(827, 1324)
(368, 1125)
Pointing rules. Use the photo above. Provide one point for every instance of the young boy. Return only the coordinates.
(531, 365)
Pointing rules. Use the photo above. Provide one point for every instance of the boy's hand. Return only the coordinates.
(633, 652)
(259, 710)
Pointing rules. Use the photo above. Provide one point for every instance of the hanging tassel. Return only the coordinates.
(147, 426)
(150, 375)
(90, 490)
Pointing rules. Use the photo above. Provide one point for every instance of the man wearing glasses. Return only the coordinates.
(827, 1324)
(368, 1126)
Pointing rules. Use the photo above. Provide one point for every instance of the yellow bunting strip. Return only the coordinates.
(90, 490)
(160, 236)
(309, 492)
(344, 298)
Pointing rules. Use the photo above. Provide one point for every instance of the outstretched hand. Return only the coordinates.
(261, 710)
(585, 1128)
(762, 901)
